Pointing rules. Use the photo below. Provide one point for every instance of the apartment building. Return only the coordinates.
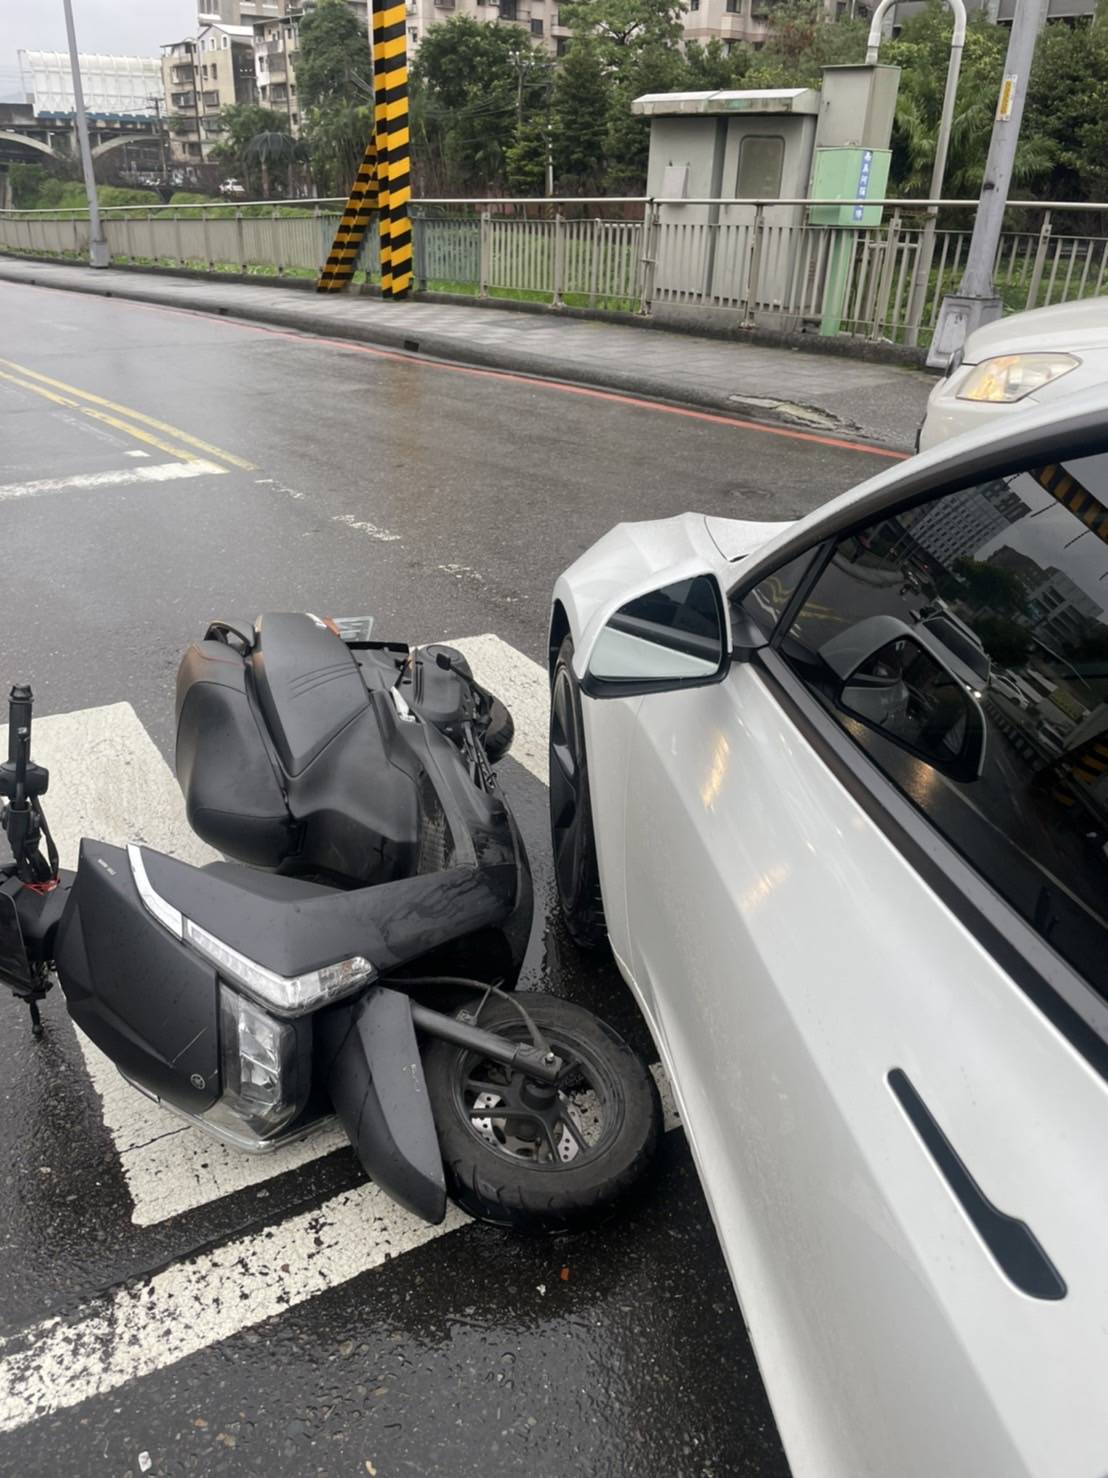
(539, 18)
(203, 75)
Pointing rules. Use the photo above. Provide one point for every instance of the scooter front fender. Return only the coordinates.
(372, 1069)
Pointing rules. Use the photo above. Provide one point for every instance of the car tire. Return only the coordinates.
(492, 1172)
(572, 841)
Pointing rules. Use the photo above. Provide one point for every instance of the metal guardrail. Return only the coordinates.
(749, 263)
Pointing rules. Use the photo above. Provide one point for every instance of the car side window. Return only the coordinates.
(765, 603)
(963, 644)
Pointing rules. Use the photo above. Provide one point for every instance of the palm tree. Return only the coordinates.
(277, 148)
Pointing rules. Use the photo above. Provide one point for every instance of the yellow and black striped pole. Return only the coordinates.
(343, 256)
(394, 173)
(383, 183)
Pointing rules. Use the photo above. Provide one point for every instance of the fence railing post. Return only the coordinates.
(648, 257)
(178, 239)
(419, 251)
(240, 241)
(594, 262)
(559, 260)
(485, 255)
(275, 232)
(885, 286)
(1041, 250)
(921, 281)
(209, 256)
(754, 276)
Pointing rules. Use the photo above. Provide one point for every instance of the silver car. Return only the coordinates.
(863, 905)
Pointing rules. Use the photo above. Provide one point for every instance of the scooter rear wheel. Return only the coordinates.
(543, 1161)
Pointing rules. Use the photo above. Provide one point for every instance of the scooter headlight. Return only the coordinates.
(262, 1082)
(288, 995)
(291, 995)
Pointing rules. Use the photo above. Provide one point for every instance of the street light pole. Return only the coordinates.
(97, 247)
(976, 301)
(942, 148)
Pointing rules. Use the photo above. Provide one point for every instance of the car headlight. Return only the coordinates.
(1010, 377)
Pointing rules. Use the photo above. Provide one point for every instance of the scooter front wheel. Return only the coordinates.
(538, 1158)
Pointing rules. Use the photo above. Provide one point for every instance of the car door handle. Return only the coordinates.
(1013, 1245)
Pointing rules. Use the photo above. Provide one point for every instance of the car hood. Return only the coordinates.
(735, 538)
(1071, 327)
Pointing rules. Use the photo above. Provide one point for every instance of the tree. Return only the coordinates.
(579, 118)
(922, 50)
(712, 68)
(240, 125)
(984, 585)
(620, 26)
(335, 89)
(474, 86)
(1004, 640)
(525, 159)
(1067, 109)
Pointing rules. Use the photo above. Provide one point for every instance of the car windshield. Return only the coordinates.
(964, 649)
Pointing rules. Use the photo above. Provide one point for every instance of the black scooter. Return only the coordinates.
(358, 956)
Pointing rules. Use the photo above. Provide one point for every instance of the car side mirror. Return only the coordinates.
(901, 684)
(674, 637)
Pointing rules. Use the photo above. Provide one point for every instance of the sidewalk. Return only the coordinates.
(828, 393)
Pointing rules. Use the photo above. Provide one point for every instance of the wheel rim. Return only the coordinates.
(565, 784)
(510, 1114)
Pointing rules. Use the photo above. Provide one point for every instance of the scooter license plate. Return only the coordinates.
(15, 968)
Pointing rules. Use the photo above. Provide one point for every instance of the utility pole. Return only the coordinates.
(98, 255)
(976, 301)
(942, 146)
(156, 104)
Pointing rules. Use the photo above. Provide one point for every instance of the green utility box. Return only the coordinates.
(850, 175)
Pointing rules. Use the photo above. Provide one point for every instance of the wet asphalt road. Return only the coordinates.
(446, 502)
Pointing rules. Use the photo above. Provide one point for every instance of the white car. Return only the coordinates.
(1007, 367)
(233, 188)
(867, 928)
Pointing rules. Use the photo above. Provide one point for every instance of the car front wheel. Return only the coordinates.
(571, 833)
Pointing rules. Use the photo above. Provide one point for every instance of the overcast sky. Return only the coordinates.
(125, 27)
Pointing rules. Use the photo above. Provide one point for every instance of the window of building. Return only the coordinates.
(508, 10)
(734, 7)
(761, 161)
(561, 45)
(694, 4)
(981, 618)
(536, 27)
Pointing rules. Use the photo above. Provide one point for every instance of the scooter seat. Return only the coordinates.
(308, 686)
(290, 760)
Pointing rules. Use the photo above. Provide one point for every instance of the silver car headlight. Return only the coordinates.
(1009, 377)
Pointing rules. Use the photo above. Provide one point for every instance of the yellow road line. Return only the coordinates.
(88, 410)
(193, 441)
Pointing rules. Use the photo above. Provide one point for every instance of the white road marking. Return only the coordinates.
(370, 530)
(523, 685)
(120, 477)
(110, 781)
(137, 453)
(191, 1305)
